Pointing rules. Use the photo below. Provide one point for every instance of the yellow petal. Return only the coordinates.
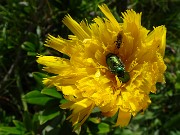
(82, 116)
(109, 15)
(66, 105)
(163, 44)
(68, 90)
(130, 17)
(53, 64)
(75, 27)
(60, 44)
(82, 104)
(110, 113)
(123, 118)
(85, 27)
(158, 35)
(118, 82)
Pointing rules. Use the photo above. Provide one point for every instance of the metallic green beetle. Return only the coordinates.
(117, 67)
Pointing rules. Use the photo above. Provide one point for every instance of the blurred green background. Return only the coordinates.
(28, 108)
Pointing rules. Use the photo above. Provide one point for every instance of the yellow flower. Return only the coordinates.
(87, 81)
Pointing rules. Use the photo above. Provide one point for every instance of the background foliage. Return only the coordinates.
(29, 108)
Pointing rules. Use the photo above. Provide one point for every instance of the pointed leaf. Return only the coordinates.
(51, 92)
(35, 97)
(48, 114)
(103, 128)
(39, 77)
(11, 130)
(18, 124)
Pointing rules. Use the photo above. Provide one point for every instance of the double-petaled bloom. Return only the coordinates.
(86, 80)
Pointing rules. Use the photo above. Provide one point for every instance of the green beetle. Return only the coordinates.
(117, 67)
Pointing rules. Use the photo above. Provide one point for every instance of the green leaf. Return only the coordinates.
(95, 120)
(28, 46)
(35, 97)
(103, 128)
(172, 122)
(51, 92)
(177, 85)
(48, 114)
(18, 124)
(35, 122)
(39, 77)
(11, 130)
(149, 115)
(31, 53)
(175, 132)
(27, 121)
(127, 132)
